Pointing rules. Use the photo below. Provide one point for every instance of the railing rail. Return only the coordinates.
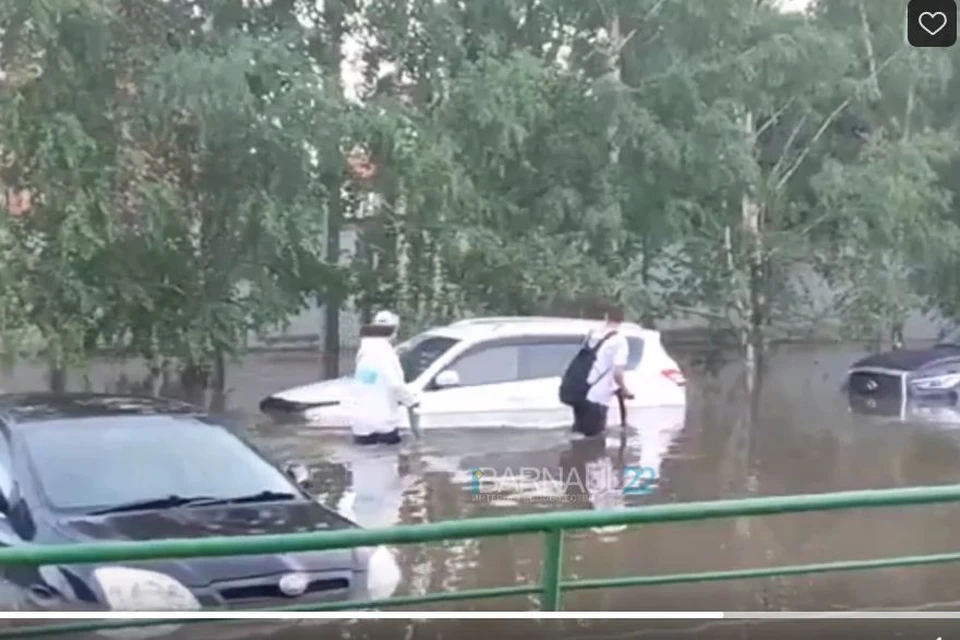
(552, 525)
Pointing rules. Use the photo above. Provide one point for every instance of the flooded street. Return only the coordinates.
(804, 441)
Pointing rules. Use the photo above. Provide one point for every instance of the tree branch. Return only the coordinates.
(823, 127)
(772, 120)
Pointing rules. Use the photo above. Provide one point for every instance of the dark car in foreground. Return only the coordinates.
(94, 468)
(921, 384)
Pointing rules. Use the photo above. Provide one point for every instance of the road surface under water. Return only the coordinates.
(803, 440)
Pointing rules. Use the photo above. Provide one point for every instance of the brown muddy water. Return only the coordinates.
(804, 440)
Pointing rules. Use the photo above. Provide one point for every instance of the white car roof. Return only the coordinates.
(514, 326)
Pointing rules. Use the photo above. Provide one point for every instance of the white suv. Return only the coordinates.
(497, 372)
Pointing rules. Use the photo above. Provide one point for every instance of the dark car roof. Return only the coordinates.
(36, 407)
(910, 359)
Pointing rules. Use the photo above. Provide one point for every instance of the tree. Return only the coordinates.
(60, 149)
(887, 231)
(489, 151)
(227, 236)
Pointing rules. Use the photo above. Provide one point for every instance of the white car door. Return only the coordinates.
(507, 383)
(485, 394)
(537, 394)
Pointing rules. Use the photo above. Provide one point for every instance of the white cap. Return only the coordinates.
(386, 319)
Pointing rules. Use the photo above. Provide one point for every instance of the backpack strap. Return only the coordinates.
(595, 349)
(599, 344)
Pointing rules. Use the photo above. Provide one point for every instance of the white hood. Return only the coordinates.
(336, 390)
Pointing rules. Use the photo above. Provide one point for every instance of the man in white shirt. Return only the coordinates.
(379, 388)
(606, 376)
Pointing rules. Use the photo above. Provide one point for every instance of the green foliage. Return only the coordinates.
(175, 192)
(687, 157)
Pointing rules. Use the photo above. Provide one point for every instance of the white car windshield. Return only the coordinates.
(90, 463)
(416, 355)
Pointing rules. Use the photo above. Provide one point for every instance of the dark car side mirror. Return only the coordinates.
(299, 473)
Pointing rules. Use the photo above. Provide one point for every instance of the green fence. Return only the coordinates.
(550, 525)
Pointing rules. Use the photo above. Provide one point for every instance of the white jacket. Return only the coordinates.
(378, 389)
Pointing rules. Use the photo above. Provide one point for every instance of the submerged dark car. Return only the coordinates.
(922, 384)
(86, 467)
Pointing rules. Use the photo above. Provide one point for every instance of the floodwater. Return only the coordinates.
(803, 440)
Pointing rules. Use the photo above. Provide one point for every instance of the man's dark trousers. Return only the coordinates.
(589, 418)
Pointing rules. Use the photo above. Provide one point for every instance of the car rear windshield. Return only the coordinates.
(418, 354)
(92, 463)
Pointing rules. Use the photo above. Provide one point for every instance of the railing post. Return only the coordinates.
(552, 570)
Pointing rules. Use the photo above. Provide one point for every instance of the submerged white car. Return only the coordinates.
(496, 372)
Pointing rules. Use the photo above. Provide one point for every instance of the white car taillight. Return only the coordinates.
(675, 376)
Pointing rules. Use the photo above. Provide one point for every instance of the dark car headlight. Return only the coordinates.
(936, 382)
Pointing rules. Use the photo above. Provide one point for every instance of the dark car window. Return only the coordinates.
(547, 360)
(550, 359)
(488, 365)
(93, 462)
(418, 354)
(636, 352)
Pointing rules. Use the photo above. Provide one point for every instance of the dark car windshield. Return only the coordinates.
(418, 354)
(92, 463)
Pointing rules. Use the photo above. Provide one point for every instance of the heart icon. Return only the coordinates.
(932, 23)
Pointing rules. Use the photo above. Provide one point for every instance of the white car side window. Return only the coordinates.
(489, 365)
(636, 351)
(547, 359)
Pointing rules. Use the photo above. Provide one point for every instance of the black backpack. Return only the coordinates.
(575, 383)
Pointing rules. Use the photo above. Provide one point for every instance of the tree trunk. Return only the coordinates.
(437, 280)
(218, 384)
(57, 378)
(752, 305)
(364, 258)
(333, 15)
(896, 335)
(219, 377)
(194, 379)
(873, 82)
(648, 319)
(404, 301)
(614, 79)
(154, 364)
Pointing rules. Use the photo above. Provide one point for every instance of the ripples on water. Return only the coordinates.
(803, 441)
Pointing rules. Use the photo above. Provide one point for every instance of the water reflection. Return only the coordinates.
(587, 469)
(600, 473)
(376, 484)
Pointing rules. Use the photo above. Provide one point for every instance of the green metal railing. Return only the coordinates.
(551, 525)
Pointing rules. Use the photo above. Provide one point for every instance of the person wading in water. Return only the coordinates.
(596, 374)
(379, 386)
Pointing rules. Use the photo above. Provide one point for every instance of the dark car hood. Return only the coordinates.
(908, 359)
(238, 520)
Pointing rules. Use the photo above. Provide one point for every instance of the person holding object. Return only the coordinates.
(379, 386)
(596, 375)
